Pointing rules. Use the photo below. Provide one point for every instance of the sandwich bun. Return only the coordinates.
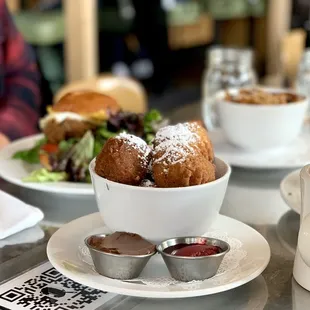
(89, 104)
(75, 113)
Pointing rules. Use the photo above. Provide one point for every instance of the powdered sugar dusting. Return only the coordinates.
(135, 142)
(181, 133)
(193, 126)
(173, 144)
(138, 144)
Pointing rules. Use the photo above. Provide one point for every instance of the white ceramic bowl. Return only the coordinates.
(158, 214)
(259, 127)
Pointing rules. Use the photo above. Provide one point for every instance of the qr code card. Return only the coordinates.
(45, 288)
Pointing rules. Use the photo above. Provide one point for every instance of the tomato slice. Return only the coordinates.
(50, 148)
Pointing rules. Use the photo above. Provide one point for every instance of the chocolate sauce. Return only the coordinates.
(193, 250)
(122, 243)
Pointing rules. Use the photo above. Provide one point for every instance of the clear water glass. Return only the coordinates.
(225, 68)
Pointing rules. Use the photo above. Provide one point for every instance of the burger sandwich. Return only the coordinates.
(74, 131)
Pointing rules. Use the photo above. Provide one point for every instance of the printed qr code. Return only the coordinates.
(49, 290)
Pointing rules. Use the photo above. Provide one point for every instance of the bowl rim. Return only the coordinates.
(225, 176)
(194, 258)
(111, 254)
(220, 96)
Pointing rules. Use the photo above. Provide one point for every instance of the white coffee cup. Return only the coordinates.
(256, 126)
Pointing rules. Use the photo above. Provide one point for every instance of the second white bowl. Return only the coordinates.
(260, 127)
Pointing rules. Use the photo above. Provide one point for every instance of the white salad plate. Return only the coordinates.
(247, 259)
(295, 155)
(13, 171)
(290, 190)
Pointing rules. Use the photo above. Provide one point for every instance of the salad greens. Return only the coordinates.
(83, 151)
(153, 121)
(105, 133)
(32, 155)
(66, 145)
(72, 157)
(71, 164)
(97, 147)
(102, 134)
(150, 119)
(43, 175)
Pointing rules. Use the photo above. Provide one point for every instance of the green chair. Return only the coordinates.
(230, 9)
(184, 13)
(44, 30)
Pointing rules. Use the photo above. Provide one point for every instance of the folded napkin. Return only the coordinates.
(29, 235)
(16, 216)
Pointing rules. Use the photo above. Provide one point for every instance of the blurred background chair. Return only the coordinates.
(45, 31)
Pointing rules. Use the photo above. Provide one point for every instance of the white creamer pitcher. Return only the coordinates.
(302, 258)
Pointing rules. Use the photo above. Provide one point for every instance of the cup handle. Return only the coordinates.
(210, 113)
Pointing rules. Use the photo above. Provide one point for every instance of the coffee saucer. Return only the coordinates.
(293, 156)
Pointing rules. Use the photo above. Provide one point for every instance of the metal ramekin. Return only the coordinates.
(116, 266)
(188, 269)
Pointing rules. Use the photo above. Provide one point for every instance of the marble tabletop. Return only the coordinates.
(252, 197)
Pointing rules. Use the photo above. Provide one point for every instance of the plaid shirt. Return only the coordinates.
(19, 81)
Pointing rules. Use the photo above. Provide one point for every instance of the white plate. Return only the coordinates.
(290, 190)
(14, 171)
(295, 155)
(249, 256)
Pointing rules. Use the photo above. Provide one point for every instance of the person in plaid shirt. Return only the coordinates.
(19, 83)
